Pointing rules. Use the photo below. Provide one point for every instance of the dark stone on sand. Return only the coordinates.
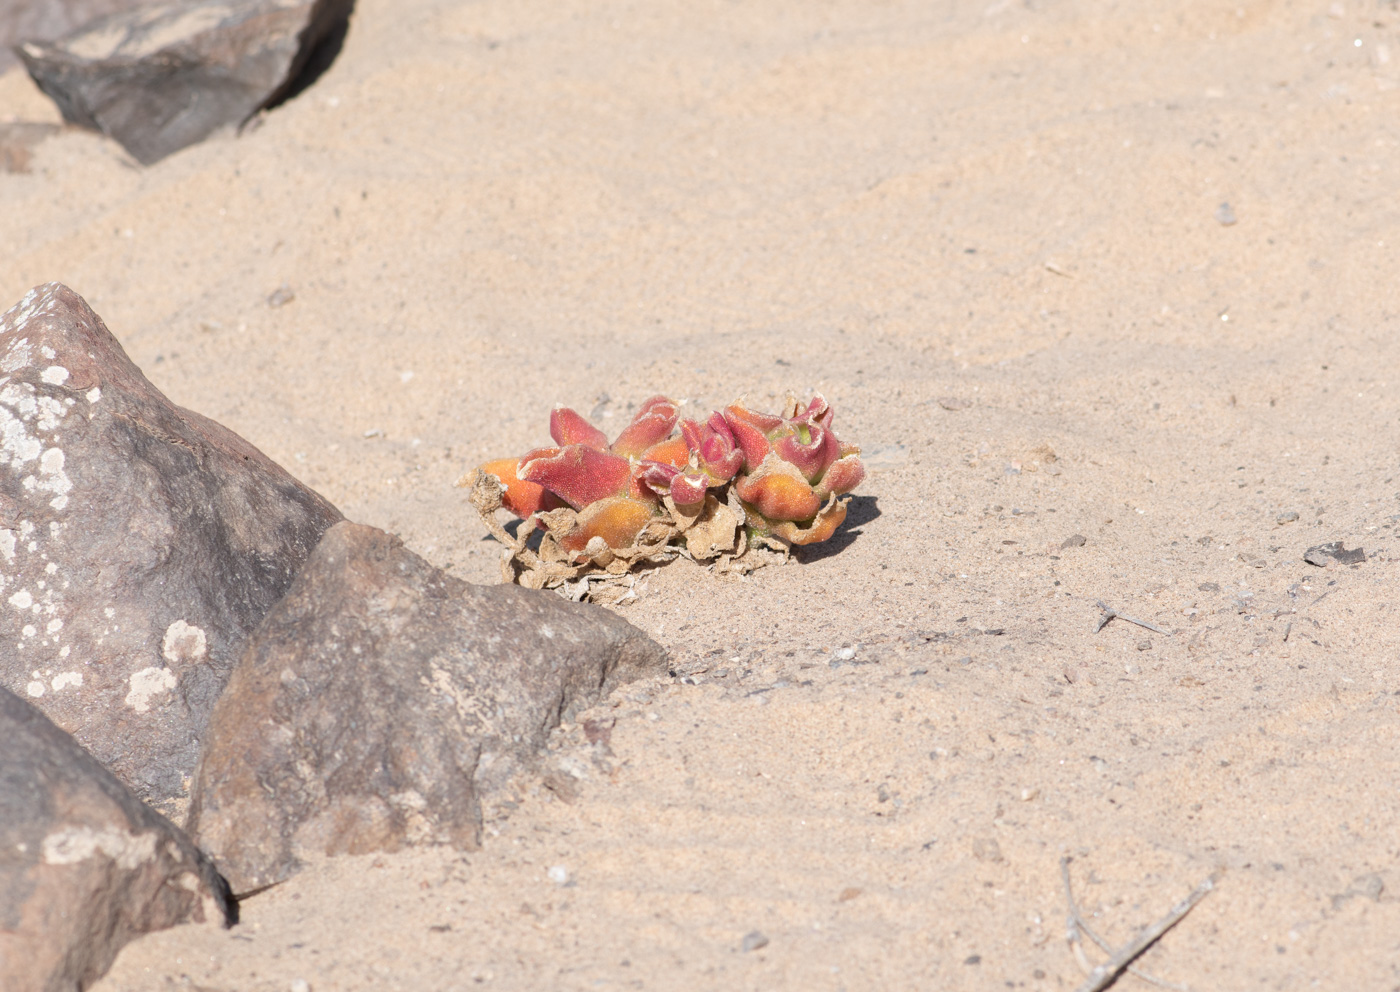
(169, 74)
(85, 866)
(45, 20)
(1323, 555)
(1073, 541)
(382, 700)
(140, 544)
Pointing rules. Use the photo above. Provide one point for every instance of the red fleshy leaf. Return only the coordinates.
(843, 476)
(568, 427)
(652, 425)
(713, 445)
(750, 437)
(687, 490)
(812, 457)
(578, 474)
(656, 476)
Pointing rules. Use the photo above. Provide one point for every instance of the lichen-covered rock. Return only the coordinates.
(139, 544)
(168, 74)
(381, 700)
(85, 866)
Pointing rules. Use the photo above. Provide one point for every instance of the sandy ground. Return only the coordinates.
(875, 756)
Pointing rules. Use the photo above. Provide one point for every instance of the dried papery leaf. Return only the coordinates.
(714, 532)
(683, 516)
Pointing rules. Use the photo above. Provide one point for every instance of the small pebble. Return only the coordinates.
(1144, 645)
(1287, 517)
(1225, 214)
(1073, 541)
(753, 941)
(558, 874)
(1027, 795)
(844, 654)
(300, 985)
(1209, 587)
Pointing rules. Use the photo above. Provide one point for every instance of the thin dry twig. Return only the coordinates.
(1077, 923)
(1107, 973)
(1109, 613)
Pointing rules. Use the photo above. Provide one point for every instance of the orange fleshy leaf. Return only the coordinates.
(567, 426)
(617, 520)
(779, 493)
(821, 528)
(520, 497)
(671, 452)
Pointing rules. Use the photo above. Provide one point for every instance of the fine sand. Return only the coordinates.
(993, 237)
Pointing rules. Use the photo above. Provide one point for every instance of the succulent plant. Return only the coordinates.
(794, 469)
(722, 482)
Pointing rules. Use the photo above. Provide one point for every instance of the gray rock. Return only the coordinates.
(1324, 554)
(382, 700)
(1073, 541)
(45, 20)
(139, 544)
(85, 866)
(166, 75)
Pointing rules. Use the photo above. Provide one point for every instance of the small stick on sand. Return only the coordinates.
(1110, 613)
(1107, 973)
(1077, 923)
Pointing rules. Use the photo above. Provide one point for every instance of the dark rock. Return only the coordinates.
(85, 866)
(382, 700)
(1324, 554)
(1073, 541)
(45, 20)
(166, 75)
(139, 544)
